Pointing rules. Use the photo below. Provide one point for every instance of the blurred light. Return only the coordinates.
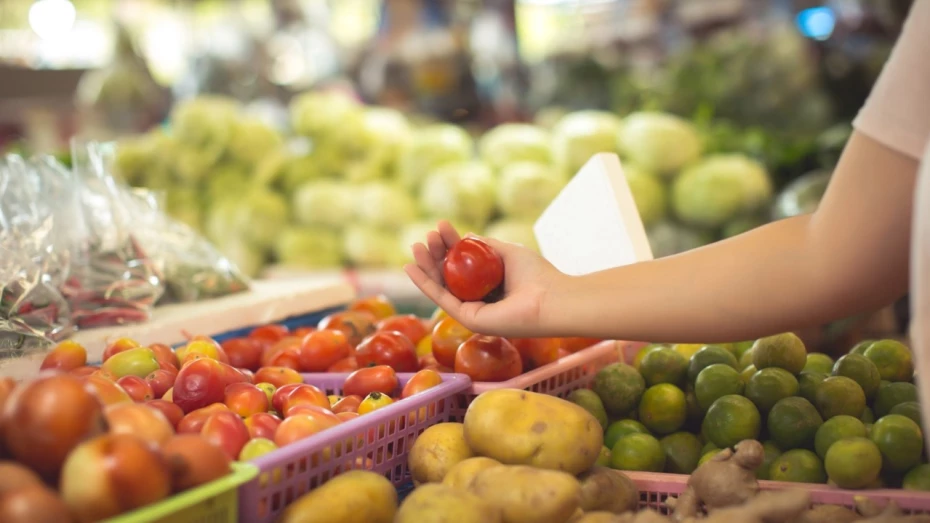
(816, 22)
(52, 18)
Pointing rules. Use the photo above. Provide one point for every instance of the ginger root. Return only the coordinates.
(727, 480)
(829, 514)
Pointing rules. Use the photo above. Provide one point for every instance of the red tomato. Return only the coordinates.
(301, 332)
(448, 335)
(344, 365)
(354, 324)
(306, 423)
(199, 384)
(117, 346)
(277, 376)
(204, 345)
(425, 379)
(67, 355)
(165, 354)
(227, 431)
(245, 399)
(347, 404)
(192, 422)
(472, 270)
(387, 348)
(563, 353)
(262, 425)
(406, 324)
(137, 388)
(243, 353)
(169, 409)
(346, 415)
(488, 358)
(379, 306)
(269, 333)
(86, 370)
(577, 344)
(305, 395)
(536, 352)
(320, 350)
(284, 353)
(280, 395)
(362, 382)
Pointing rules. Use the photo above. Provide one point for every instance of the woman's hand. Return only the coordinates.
(528, 280)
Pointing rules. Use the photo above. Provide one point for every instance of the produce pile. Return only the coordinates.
(357, 185)
(854, 423)
(508, 462)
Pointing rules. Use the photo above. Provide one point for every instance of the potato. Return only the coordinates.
(528, 495)
(436, 503)
(609, 490)
(356, 496)
(598, 517)
(437, 450)
(463, 473)
(518, 427)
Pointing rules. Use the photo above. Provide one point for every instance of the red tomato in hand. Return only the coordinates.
(354, 324)
(488, 358)
(407, 324)
(425, 379)
(536, 352)
(448, 335)
(269, 333)
(378, 306)
(472, 270)
(320, 350)
(363, 382)
(244, 353)
(344, 365)
(387, 348)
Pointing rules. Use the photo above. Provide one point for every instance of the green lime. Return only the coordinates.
(891, 394)
(707, 456)
(835, 429)
(663, 365)
(638, 452)
(663, 408)
(687, 349)
(714, 382)
(909, 409)
(731, 419)
(747, 373)
(785, 351)
(745, 359)
(853, 463)
(707, 356)
(860, 347)
(682, 452)
(918, 478)
(591, 402)
(637, 360)
(771, 454)
(742, 347)
(793, 422)
(603, 459)
(807, 384)
(709, 446)
(893, 359)
(621, 428)
(694, 414)
(900, 441)
(861, 370)
(619, 386)
(770, 385)
(839, 395)
(867, 417)
(818, 362)
(798, 466)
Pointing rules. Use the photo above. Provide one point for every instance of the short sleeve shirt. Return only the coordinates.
(897, 115)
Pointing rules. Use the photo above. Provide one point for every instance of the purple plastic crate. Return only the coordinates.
(385, 436)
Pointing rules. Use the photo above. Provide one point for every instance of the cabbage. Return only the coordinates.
(515, 142)
(260, 216)
(308, 247)
(373, 147)
(580, 135)
(193, 164)
(134, 156)
(220, 227)
(204, 127)
(385, 205)
(367, 246)
(668, 238)
(252, 139)
(318, 114)
(463, 191)
(740, 225)
(431, 147)
(719, 188)
(649, 194)
(513, 231)
(323, 202)
(247, 258)
(184, 205)
(658, 142)
(227, 182)
(527, 188)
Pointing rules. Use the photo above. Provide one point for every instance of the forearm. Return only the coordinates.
(849, 257)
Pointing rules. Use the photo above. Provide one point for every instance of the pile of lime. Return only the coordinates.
(854, 422)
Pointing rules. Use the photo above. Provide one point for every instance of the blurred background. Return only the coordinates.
(305, 136)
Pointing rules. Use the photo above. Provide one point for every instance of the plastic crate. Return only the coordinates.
(214, 502)
(655, 488)
(560, 378)
(386, 436)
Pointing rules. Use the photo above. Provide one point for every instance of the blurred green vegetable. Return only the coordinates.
(649, 193)
(658, 142)
(510, 143)
(720, 188)
(383, 204)
(462, 191)
(323, 202)
(318, 114)
(430, 147)
(367, 246)
(527, 188)
(308, 247)
(667, 238)
(582, 134)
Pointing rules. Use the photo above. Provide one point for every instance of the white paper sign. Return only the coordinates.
(593, 224)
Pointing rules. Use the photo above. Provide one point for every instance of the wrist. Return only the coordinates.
(556, 306)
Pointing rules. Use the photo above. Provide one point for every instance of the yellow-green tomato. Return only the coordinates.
(255, 448)
(267, 388)
(133, 362)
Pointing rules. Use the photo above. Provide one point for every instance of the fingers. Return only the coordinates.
(433, 290)
(426, 262)
(437, 247)
(448, 233)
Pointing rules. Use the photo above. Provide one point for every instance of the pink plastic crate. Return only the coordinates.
(385, 436)
(559, 378)
(655, 488)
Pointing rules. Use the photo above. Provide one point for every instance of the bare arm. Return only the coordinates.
(850, 256)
